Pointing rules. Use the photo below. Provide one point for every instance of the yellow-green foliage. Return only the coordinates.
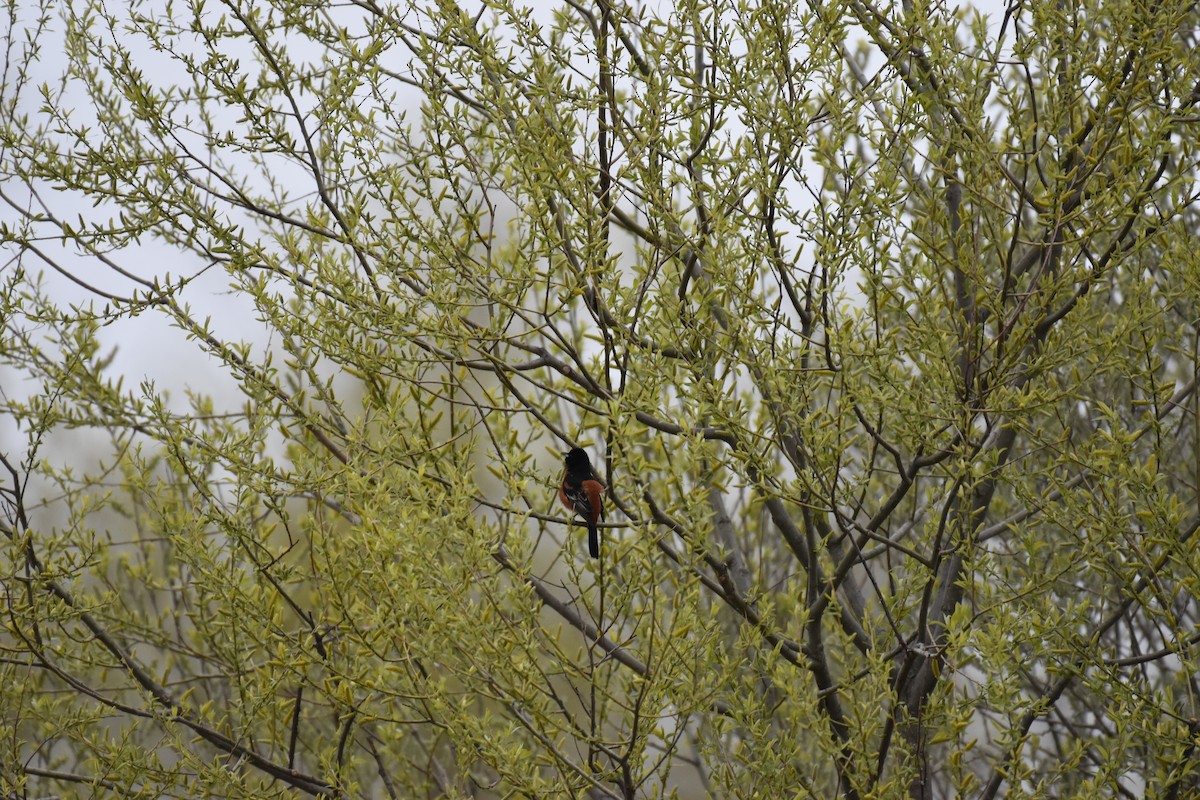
(880, 324)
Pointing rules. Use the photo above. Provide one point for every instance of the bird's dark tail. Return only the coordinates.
(593, 541)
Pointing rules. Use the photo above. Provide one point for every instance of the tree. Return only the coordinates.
(880, 322)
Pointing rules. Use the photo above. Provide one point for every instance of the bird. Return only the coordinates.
(581, 492)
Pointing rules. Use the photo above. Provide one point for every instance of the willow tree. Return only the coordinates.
(881, 323)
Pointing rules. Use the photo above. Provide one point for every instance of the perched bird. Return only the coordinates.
(581, 491)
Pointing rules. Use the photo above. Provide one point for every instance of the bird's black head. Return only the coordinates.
(577, 461)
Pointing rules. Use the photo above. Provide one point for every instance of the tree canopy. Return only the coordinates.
(880, 322)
